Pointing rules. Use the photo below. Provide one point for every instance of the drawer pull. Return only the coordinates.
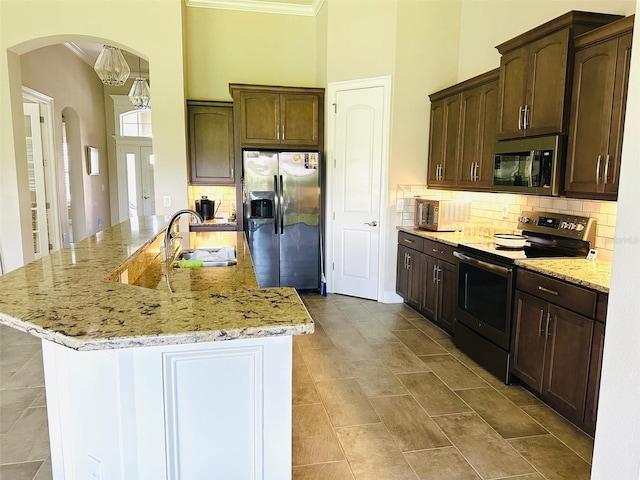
(437, 251)
(548, 321)
(408, 241)
(546, 290)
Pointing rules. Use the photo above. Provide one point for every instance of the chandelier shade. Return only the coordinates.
(140, 94)
(111, 66)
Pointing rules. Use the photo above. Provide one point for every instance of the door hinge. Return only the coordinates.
(47, 205)
(335, 163)
(334, 215)
(51, 247)
(333, 265)
(41, 119)
(335, 107)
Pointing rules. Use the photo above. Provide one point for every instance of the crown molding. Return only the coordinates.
(261, 6)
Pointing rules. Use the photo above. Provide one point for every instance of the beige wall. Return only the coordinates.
(226, 46)
(487, 23)
(50, 70)
(158, 38)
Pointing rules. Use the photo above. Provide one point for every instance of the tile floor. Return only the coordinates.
(379, 393)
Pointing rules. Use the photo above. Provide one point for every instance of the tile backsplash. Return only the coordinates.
(489, 209)
(227, 195)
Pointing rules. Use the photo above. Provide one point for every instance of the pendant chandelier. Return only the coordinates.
(111, 66)
(140, 94)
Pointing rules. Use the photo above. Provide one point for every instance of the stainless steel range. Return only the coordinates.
(487, 277)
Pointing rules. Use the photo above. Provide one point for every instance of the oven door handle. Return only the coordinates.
(481, 264)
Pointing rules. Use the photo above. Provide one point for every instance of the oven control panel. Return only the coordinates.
(558, 224)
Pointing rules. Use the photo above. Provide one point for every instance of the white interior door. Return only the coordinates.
(356, 191)
(35, 165)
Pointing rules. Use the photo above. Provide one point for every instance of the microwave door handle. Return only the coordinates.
(531, 160)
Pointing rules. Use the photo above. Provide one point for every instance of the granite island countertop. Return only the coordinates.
(72, 297)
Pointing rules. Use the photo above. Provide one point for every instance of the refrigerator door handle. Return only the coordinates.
(281, 205)
(277, 205)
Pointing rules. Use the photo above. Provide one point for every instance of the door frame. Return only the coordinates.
(50, 168)
(330, 125)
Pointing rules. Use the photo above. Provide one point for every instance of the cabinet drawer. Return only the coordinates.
(561, 293)
(439, 250)
(412, 241)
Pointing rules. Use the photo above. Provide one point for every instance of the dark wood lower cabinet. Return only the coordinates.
(556, 352)
(427, 283)
(593, 386)
(567, 358)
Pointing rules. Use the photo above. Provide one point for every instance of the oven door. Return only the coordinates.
(485, 293)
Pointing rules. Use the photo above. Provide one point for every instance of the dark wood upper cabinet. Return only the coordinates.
(462, 134)
(600, 82)
(534, 75)
(286, 117)
(211, 152)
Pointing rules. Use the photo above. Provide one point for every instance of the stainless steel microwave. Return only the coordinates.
(528, 165)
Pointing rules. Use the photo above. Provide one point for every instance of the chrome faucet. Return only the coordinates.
(168, 236)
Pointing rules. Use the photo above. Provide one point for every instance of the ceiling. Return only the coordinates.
(89, 53)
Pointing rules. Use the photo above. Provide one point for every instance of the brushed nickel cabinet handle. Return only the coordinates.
(546, 290)
(408, 241)
(606, 170)
(598, 169)
(525, 122)
(548, 322)
(520, 118)
(540, 330)
(472, 169)
(433, 278)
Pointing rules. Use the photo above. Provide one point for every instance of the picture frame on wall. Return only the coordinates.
(93, 161)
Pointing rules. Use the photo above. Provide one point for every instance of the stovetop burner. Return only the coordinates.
(548, 235)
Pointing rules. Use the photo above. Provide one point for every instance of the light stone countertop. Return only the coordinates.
(590, 274)
(69, 297)
(595, 275)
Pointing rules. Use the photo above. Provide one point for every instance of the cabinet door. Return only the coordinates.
(489, 125)
(611, 172)
(211, 155)
(416, 280)
(528, 341)
(402, 272)
(436, 141)
(447, 293)
(546, 85)
(428, 307)
(593, 385)
(448, 172)
(470, 128)
(567, 361)
(513, 81)
(260, 118)
(593, 82)
(299, 119)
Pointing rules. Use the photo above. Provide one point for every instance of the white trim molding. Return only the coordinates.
(307, 8)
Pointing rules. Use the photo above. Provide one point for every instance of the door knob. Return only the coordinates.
(371, 224)
(146, 197)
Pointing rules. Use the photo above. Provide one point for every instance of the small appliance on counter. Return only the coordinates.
(206, 207)
(440, 215)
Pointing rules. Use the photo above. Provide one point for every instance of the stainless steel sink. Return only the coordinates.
(208, 256)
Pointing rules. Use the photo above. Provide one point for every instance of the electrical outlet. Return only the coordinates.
(505, 210)
(166, 201)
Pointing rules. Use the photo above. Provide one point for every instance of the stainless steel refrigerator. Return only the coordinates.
(282, 217)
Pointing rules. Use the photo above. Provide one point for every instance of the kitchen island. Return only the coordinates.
(147, 384)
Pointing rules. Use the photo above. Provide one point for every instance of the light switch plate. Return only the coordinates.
(593, 254)
(166, 201)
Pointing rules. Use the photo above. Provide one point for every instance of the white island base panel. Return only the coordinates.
(207, 410)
